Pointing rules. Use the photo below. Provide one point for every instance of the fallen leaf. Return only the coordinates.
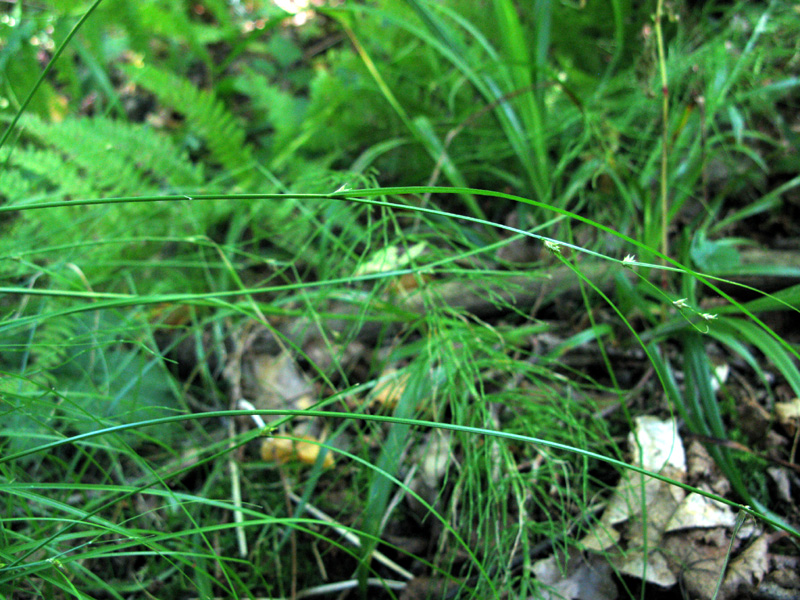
(783, 485)
(587, 577)
(699, 556)
(278, 383)
(656, 444)
(788, 414)
(747, 570)
(435, 458)
(390, 388)
(701, 469)
(788, 411)
(390, 258)
(655, 570)
(283, 450)
(702, 512)
(657, 447)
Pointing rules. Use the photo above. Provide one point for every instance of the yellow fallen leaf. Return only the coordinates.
(788, 411)
(390, 388)
(282, 451)
(390, 258)
(788, 414)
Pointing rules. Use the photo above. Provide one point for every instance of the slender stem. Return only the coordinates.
(665, 126)
(47, 70)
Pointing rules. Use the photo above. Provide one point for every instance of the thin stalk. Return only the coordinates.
(47, 70)
(662, 66)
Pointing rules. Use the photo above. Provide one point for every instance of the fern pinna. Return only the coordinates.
(206, 117)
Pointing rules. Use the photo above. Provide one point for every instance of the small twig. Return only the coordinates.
(236, 493)
(236, 485)
(320, 563)
(350, 536)
(349, 585)
(245, 405)
(398, 497)
(292, 535)
(330, 588)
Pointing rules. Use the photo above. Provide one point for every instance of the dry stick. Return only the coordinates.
(245, 405)
(235, 376)
(236, 484)
(482, 299)
(349, 585)
(236, 494)
(330, 588)
(477, 298)
(398, 497)
(350, 536)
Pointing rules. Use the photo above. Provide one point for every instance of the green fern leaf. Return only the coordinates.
(206, 116)
(111, 157)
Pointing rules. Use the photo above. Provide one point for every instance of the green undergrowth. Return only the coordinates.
(469, 201)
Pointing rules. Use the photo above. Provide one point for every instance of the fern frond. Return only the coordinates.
(52, 172)
(205, 114)
(108, 171)
(151, 152)
(14, 186)
(115, 157)
(86, 158)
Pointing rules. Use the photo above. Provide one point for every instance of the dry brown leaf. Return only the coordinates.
(788, 411)
(658, 448)
(702, 470)
(747, 570)
(783, 483)
(587, 577)
(278, 383)
(699, 556)
(687, 536)
(405, 284)
(702, 557)
(655, 570)
(433, 458)
(657, 445)
(661, 501)
(602, 537)
(697, 511)
(699, 464)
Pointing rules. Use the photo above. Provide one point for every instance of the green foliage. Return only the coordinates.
(103, 157)
(98, 381)
(206, 118)
(83, 158)
(556, 103)
(20, 66)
